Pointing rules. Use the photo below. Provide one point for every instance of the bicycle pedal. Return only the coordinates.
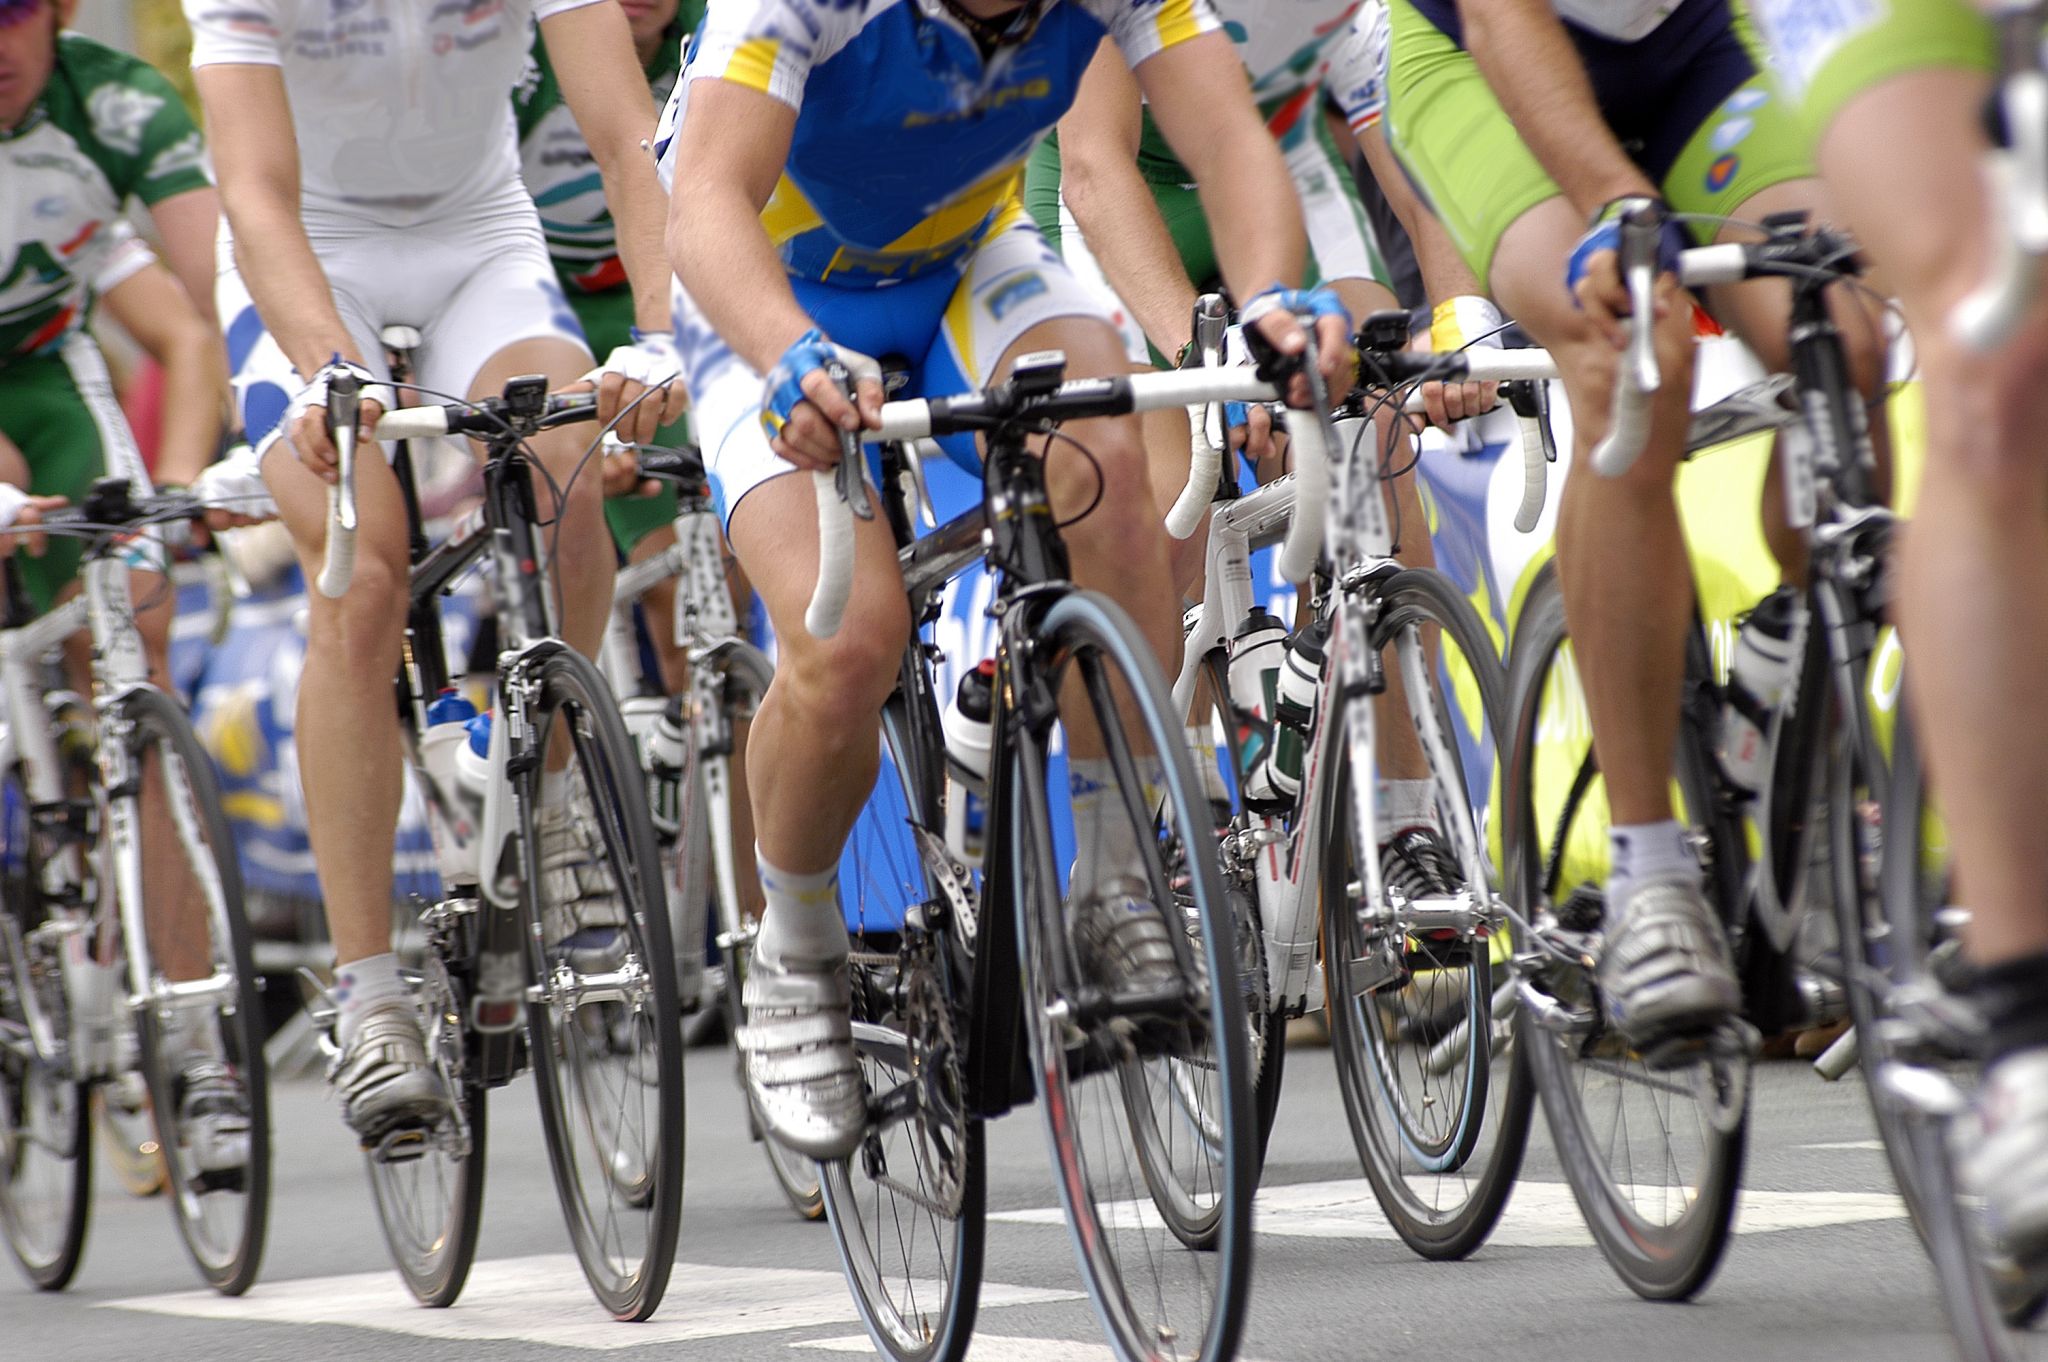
(218, 1180)
(402, 1144)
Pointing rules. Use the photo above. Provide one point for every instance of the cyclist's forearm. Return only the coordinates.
(1121, 224)
(635, 191)
(195, 377)
(730, 269)
(1254, 213)
(187, 224)
(1522, 48)
(289, 287)
(1444, 271)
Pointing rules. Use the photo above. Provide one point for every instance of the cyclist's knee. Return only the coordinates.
(366, 623)
(1113, 486)
(840, 683)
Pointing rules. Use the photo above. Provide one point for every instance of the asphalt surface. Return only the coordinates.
(1824, 1265)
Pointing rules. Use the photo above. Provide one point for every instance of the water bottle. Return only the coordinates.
(656, 723)
(1761, 676)
(473, 767)
(1301, 673)
(966, 725)
(453, 824)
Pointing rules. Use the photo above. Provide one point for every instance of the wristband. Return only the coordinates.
(1464, 321)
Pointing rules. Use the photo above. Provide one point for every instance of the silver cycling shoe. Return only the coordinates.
(584, 915)
(385, 1080)
(2002, 1155)
(213, 1122)
(801, 1070)
(1664, 971)
(1122, 939)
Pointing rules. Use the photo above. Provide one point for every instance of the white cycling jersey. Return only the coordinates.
(1623, 20)
(402, 107)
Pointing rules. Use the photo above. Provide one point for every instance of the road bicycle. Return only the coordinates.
(970, 997)
(96, 988)
(1652, 1143)
(600, 1034)
(687, 745)
(1409, 983)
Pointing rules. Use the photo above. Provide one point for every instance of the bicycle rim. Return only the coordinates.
(1101, 1081)
(607, 1052)
(1654, 1158)
(222, 1211)
(906, 1210)
(1420, 1025)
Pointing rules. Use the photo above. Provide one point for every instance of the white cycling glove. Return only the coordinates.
(651, 360)
(314, 394)
(12, 499)
(236, 484)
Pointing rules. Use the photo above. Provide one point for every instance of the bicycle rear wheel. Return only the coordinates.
(1421, 1026)
(1653, 1156)
(607, 1053)
(200, 990)
(1150, 1106)
(906, 1210)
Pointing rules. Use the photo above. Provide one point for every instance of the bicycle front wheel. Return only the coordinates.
(607, 1053)
(1146, 1104)
(1653, 1155)
(1420, 1021)
(200, 1020)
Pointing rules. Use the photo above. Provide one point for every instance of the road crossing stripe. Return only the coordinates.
(544, 1300)
(1539, 1214)
(985, 1348)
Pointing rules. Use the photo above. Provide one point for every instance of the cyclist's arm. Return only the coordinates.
(1202, 102)
(1114, 207)
(1527, 57)
(152, 307)
(256, 162)
(1444, 271)
(592, 52)
(729, 154)
(187, 225)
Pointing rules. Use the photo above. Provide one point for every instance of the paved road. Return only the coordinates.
(1843, 1280)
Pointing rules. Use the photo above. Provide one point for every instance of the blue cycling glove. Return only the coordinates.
(783, 390)
(1604, 234)
(1314, 303)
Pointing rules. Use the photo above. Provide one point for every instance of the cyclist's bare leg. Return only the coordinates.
(172, 900)
(658, 606)
(814, 747)
(1620, 550)
(347, 729)
(1974, 563)
(1760, 312)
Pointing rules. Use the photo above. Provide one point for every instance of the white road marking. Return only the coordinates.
(1539, 1214)
(544, 1300)
(1846, 1144)
(985, 1348)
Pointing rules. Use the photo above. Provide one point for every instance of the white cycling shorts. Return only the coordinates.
(950, 328)
(470, 287)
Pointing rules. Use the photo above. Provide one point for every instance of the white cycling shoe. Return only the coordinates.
(213, 1123)
(1122, 939)
(585, 918)
(384, 1079)
(801, 1069)
(1664, 972)
(2003, 1153)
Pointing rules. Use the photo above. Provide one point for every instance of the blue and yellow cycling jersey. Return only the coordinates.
(909, 146)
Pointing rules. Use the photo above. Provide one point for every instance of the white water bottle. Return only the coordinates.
(453, 824)
(655, 722)
(1761, 676)
(966, 723)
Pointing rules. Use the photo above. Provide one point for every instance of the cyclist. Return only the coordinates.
(852, 170)
(368, 152)
(1894, 97)
(1528, 125)
(83, 131)
(1105, 188)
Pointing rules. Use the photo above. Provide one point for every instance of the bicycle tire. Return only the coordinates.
(883, 876)
(45, 1118)
(1081, 1066)
(1441, 1021)
(1672, 1260)
(430, 1207)
(223, 1235)
(748, 673)
(577, 1042)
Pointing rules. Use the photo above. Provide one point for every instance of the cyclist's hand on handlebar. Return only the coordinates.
(234, 491)
(1455, 324)
(19, 509)
(305, 420)
(804, 410)
(1277, 316)
(629, 372)
(622, 473)
(1593, 274)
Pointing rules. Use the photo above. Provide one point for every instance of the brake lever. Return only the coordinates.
(848, 477)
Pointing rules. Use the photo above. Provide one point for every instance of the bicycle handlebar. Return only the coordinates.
(1205, 455)
(1638, 380)
(842, 492)
(338, 566)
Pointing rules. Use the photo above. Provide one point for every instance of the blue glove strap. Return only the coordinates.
(784, 388)
(1605, 235)
(1311, 302)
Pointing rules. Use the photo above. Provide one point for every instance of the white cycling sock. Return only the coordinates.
(1406, 804)
(1106, 845)
(803, 922)
(1647, 851)
(362, 984)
